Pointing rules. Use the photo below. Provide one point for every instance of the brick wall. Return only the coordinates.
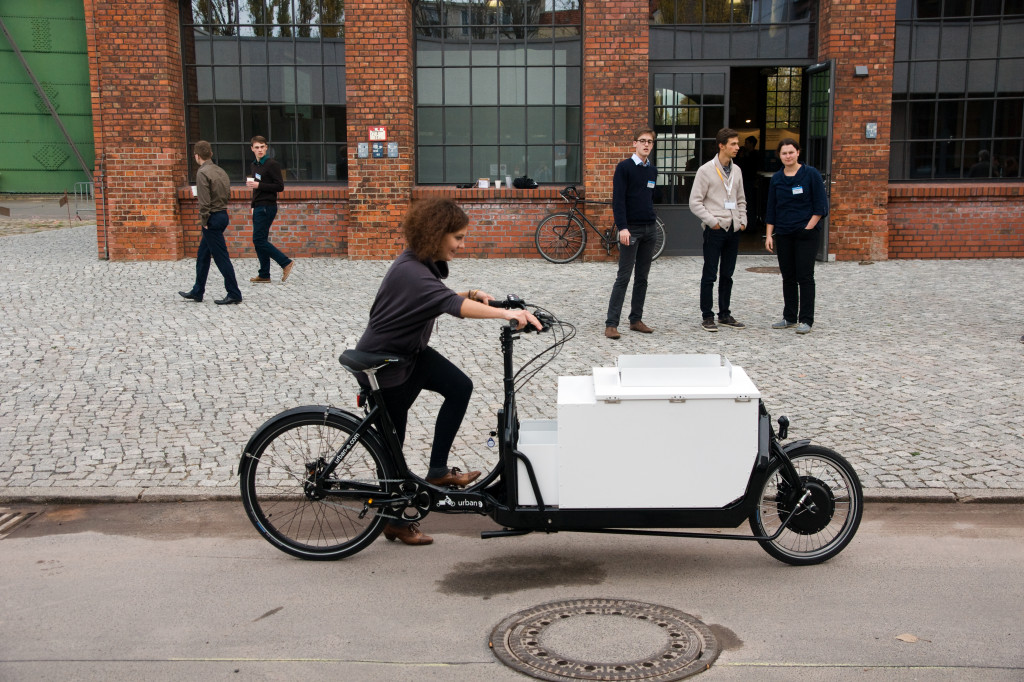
(310, 222)
(615, 92)
(956, 221)
(379, 92)
(859, 32)
(138, 127)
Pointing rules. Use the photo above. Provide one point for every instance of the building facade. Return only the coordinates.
(912, 109)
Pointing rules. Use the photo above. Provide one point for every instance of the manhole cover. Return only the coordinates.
(767, 270)
(604, 639)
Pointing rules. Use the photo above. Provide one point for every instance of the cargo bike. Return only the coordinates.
(649, 447)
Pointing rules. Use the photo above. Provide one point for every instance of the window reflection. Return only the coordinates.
(276, 68)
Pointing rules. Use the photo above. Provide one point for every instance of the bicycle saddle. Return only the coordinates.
(360, 361)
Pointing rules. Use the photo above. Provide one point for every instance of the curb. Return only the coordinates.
(167, 494)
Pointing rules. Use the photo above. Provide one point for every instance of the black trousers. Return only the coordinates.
(433, 372)
(796, 252)
(212, 245)
(634, 260)
(721, 248)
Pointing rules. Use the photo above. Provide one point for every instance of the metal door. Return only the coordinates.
(820, 82)
(688, 107)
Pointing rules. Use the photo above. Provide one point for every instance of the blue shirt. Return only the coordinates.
(793, 200)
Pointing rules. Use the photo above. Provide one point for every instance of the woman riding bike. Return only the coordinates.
(411, 297)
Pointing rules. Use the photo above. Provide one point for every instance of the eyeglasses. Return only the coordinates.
(644, 141)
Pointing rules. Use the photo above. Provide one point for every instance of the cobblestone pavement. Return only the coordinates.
(112, 384)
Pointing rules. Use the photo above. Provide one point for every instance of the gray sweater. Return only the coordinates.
(708, 196)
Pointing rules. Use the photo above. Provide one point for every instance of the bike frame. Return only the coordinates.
(499, 498)
(607, 242)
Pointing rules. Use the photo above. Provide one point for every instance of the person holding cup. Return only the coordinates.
(266, 181)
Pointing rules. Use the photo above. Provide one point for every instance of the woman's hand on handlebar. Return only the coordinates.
(523, 318)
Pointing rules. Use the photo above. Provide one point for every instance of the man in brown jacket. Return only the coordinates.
(213, 189)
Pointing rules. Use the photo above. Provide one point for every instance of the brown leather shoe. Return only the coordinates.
(640, 327)
(260, 280)
(409, 534)
(287, 271)
(611, 332)
(455, 477)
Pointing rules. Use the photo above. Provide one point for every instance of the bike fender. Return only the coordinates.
(271, 425)
(790, 447)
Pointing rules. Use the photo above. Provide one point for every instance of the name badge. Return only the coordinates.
(798, 190)
(257, 176)
(650, 184)
(730, 206)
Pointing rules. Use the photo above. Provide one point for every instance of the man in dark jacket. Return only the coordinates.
(635, 220)
(266, 181)
(213, 189)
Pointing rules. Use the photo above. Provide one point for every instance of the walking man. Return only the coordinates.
(213, 188)
(633, 209)
(718, 199)
(266, 181)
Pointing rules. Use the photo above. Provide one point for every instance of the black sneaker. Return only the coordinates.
(730, 321)
(709, 325)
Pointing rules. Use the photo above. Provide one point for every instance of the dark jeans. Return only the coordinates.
(796, 252)
(436, 373)
(634, 259)
(720, 250)
(262, 219)
(212, 245)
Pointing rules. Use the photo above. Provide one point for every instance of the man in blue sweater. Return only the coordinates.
(633, 208)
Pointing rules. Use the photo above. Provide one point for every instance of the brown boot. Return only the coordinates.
(640, 327)
(611, 332)
(455, 477)
(409, 534)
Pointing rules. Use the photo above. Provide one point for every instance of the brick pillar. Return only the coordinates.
(379, 92)
(860, 33)
(138, 126)
(615, 37)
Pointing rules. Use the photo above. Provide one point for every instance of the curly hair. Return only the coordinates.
(428, 222)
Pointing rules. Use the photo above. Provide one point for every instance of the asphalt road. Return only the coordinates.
(189, 591)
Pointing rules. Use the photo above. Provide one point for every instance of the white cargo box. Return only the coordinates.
(538, 441)
(645, 444)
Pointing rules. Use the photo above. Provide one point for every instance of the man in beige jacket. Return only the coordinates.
(718, 200)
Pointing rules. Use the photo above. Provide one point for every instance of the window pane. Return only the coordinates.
(485, 125)
(255, 121)
(539, 126)
(430, 164)
(282, 125)
(458, 167)
(428, 86)
(229, 123)
(309, 122)
(540, 161)
(1009, 115)
(254, 84)
(512, 86)
(483, 159)
(334, 124)
(309, 163)
(456, 86)
(485, 86)
(513, 125)
(540, 86)
(458, 122)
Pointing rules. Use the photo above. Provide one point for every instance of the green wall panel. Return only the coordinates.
(34, 155)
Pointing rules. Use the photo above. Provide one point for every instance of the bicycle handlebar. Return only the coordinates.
(513, 302)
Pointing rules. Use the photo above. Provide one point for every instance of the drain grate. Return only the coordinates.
(9, 520)
(604, 639)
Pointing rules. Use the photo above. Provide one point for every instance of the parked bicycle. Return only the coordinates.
(561, 237)
(320, 483)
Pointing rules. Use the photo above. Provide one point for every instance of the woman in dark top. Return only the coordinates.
(411, 297)
(796, 205)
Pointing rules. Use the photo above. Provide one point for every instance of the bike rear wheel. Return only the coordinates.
(283, 504)
(560, 238)
(817, 533)
(659, 238)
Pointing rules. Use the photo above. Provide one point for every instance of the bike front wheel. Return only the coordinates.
(560, 238)
(826, 524)
(286, 507)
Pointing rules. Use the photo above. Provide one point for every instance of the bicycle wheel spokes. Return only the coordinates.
(825, 523)
(560, 238)
(284, 503)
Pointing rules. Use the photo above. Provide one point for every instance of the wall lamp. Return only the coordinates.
(860, 71)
